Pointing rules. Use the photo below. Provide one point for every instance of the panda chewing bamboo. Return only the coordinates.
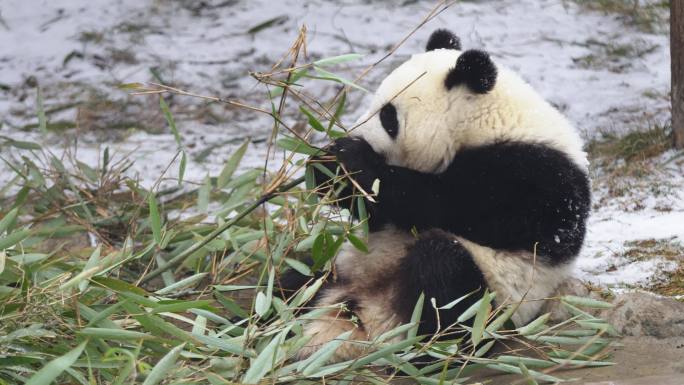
(492, 177)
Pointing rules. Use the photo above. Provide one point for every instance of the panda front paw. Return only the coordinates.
(359, 159)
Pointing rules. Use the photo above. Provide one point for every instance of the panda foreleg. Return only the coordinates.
(439, 266)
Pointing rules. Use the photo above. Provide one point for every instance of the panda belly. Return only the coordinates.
(379, 289)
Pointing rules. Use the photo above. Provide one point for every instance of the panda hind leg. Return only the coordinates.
(439, 266)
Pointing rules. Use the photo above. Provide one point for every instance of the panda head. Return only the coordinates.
(446, 98)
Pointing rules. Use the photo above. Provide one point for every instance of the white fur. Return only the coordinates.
(517, 277)
(435, 123)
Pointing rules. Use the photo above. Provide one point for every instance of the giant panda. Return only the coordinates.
(482, 185)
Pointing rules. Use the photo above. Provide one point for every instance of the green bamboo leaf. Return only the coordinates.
(357, 242)
(331, 76)
(296, 146)
(203, 195)
(456, 301)
(337, 59)
(180, 306)
(130, 86)
(322, 355)
(313, 122)
(384, 352)
(182, 284)
(8, 219)
(526, 373)
(416, 315)
(14, 238)
(583, 363)
(42, 120)
(317, 250)
(268, 23)
(22, 145)
(299, 266)
(399, 330)
(363, 215)
(534, 326)
(516, 370)
(338, 113)
(308, 293)
(3, 260)
(54, 368)
(164, 366)
(27, 259)
(265, 360)
(225, 345)
(93, 262)
(473, 309)
(261, 305)
(495, 325)
(169, 119)
(586, 302)
(155, 219)
(232, 165)
(181, 167)
(119, 286)
(480, 318)
(529, 362)
(114, 334)
(484, 348)
(80, 278)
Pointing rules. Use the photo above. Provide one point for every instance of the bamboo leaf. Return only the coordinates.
(416, 315)
(297, 146)
(114, 334)
(473, 309)
(8, 219)
(357, 242)
(264, 361)
(526, 373)
(93, 262)
(181, 167)
(481, 318)
(170, 120)
(155, 219)
(231, 165)
(337, 59)
(182, 284)
(164, 366)
(331, 76)
(313, 122)
(586, 302)
(14, 238)
(322, 355)
(534, 326)
(54, 368)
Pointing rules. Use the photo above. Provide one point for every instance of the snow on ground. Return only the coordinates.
(77, 51)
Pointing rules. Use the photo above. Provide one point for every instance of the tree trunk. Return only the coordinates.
(677, 54)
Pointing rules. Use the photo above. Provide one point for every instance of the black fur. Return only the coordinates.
(507, 195)
(443, 38)
(475, 69)
(439, 266)
(388, 118)
(359, 159)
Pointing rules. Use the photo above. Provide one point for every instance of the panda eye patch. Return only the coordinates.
(388, 118)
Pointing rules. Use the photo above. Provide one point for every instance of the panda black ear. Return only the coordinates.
(443, 38)
(475, 69)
